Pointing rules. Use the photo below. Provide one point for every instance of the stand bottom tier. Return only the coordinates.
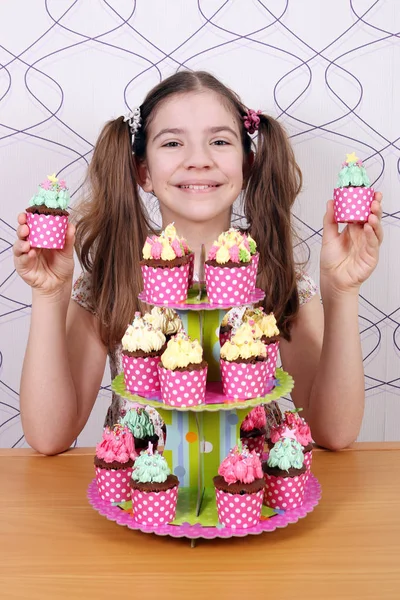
(195, 531)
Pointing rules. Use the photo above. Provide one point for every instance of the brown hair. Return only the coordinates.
(114, 223)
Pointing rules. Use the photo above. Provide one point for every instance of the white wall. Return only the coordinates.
(325, 69)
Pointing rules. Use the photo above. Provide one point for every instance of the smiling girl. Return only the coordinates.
(193, 150)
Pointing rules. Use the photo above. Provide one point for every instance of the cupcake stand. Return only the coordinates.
(201, 437)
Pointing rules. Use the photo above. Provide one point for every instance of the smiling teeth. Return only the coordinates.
(196, 187)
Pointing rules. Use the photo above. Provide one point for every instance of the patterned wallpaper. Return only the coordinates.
(324, 69)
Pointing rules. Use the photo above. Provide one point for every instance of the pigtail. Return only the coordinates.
(273, 184)
(112, 230)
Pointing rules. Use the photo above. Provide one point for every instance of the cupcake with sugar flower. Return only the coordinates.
(293, 422)
(154, 490)
(113, 463)
(166, 319)
(142, 346)
(229, 272)
(47, 217)
(243, 362)
(141, 426)
(285, 473)
(239, 489)
(353, 196)
(183, 372)
(165, 267)
(252, 430)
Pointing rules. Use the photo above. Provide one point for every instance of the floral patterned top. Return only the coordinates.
(81, 293)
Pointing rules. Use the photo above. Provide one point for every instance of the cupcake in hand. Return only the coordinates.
(229, 271)
(165, 268)
(154, 490)
(353, 196)
(252, 430)
(46, 216)
(183, 372)
(113, 462)
(244, 364)
(239, 488)
(285, 473)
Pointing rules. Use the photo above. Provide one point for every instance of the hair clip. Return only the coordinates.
(251, 120)
(134, 121)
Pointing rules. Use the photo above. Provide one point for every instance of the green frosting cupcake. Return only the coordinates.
(353, 174)
(139, 423)
(150, 468)
(52, 193)
(287, 453)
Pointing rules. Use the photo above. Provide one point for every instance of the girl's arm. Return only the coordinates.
(324, 355)
(62, 372)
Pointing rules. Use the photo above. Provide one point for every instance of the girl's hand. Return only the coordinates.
(45, 270)
(348, 258)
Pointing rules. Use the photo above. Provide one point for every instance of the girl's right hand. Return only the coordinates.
(47, 271)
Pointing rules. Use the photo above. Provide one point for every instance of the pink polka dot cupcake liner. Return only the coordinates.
(183, 388)
(352, 204)
(243, 380)
(191, 270)
(255, 443)
(141, 373)
(284, 492)
(113, 484)
(254, 264)
(230, 286)
(239, 511)
(47, 231)
(162, 286)
(308, 461)
(154, 508)
(272, 350)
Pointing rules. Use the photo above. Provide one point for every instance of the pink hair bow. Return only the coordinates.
(252, 120)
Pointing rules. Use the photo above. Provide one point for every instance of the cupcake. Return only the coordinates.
(353, 195)
(154, 490)
(270, 335)
(166, 319)
(293, 422)
(252, 430)
(183, 372)
(229, 271)
(285, 474)
(46, 216)
(239, 488)
(244, 363)
(231, 320)
(140, 424)
(142, 346)
(165, 267)
(113, 462)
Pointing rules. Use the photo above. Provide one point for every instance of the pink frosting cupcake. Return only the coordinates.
(252, 430)
(113, 462)
(239, 489)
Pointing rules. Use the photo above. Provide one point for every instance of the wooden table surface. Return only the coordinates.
(54, 545)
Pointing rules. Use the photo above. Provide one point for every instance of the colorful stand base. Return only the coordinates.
(197, 530)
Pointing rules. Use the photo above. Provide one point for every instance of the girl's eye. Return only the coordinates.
(170, 145)
(221, 143)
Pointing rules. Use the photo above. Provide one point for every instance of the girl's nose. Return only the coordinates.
(198, 157)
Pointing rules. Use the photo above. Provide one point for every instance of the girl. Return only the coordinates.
(190, 146)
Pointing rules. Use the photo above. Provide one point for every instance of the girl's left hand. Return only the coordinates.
(348, 258)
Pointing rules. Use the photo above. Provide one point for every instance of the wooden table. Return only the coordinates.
(54, 545)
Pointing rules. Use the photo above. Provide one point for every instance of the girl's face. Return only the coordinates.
(194, 159)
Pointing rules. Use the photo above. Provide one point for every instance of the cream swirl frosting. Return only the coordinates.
(266, 323)
(167, 246)
(141, 335)
(181, 351)
(232, 246)
(244, 344)
(166, 319)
